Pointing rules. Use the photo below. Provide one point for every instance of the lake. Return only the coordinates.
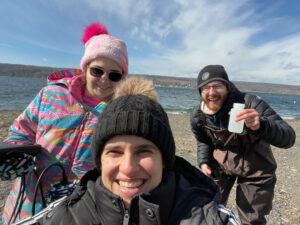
(17, 92)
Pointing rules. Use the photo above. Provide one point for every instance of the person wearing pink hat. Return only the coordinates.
(61, 118)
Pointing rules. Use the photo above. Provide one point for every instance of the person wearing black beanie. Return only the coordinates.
(137, 177)
(212, 73)
(135, 115)
(245, 158)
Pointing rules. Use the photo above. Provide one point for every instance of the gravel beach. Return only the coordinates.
(286, 204)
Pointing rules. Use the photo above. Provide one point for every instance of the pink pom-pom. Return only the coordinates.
(92, 30)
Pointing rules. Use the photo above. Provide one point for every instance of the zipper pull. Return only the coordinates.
(126, 217)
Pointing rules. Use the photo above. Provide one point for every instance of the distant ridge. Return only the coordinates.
(25, 70)
(39, 71)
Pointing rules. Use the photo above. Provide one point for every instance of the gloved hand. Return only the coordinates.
(16, 165)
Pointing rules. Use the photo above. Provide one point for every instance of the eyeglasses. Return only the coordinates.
(217, 87)
(99, 72)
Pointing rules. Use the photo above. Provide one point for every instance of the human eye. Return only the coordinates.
(146, 150)
(115, 71)
(205, 88)
(112, 152)
(221, 87)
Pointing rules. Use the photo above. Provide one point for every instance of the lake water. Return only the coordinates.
(17, 92)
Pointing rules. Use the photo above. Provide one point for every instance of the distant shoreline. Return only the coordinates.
(182, 82)
(19, 70)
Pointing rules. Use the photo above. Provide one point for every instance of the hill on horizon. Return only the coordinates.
(40, 71)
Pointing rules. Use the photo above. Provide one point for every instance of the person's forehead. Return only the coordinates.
(105, 62)
(215, 82)
(133, 140)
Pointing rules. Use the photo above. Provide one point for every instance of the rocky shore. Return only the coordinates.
(286, 207)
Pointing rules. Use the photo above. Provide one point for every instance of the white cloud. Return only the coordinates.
(217, 33)
(128, 10)
(179, 37)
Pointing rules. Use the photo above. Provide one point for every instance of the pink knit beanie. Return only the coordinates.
(98, 43)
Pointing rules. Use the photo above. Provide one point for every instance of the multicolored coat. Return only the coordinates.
(59, 121)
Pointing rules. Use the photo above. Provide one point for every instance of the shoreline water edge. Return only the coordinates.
(286, 207)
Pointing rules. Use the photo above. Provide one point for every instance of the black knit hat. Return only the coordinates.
(212, 73)
(135, 115)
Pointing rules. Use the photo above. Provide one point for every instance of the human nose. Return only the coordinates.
(104, 77)
(129, 164)
(211, 89)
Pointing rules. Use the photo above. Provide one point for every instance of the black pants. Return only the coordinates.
(253, 196)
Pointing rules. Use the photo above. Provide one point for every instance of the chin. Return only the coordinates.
(103, 95)
(214, 107)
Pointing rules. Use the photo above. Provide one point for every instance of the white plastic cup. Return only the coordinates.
(233, 126)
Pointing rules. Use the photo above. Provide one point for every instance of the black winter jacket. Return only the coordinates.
(185, 196)
(211, 133)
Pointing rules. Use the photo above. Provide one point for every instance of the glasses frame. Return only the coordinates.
(98, 72)
(216, 87)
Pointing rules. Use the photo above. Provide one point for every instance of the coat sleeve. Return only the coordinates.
(204, 153)
(273, 129)
(23, 130)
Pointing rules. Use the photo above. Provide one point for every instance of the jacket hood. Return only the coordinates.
(191, 175)
(195, 178)
(234, 96)
(63, 76)
(71, 79)
(181, 191)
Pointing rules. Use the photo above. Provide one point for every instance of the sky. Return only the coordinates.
(257, 41)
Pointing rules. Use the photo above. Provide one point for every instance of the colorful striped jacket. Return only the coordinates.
(59, 121)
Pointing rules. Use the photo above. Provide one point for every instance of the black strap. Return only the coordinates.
(64, 181)
(18, 203)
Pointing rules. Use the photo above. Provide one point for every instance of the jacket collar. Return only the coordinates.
(156, 207)
(151, 208)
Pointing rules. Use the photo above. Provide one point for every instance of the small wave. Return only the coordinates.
(177, 112)
(290, 118)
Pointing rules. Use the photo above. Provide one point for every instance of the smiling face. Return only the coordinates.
(130, 165)
(101, 87)
(214, 95)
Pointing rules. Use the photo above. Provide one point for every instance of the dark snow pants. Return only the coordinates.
(253, 170)
(253, 196)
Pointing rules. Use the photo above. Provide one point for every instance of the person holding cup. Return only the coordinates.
(230, 156)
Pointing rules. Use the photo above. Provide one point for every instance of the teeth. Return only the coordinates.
(130, 184)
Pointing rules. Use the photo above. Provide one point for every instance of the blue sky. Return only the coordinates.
(255, 40)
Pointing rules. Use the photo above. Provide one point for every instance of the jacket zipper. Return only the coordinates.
(77, 142)
(125, 213)
(126, 217)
